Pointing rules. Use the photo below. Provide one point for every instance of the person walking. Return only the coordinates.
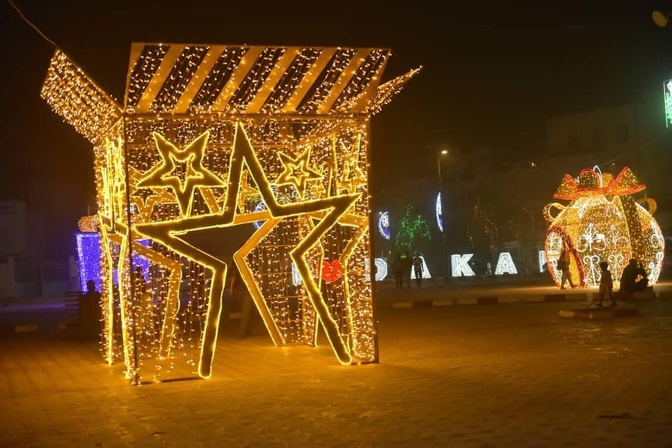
(417, 268)
(563, 264)
(606, 284)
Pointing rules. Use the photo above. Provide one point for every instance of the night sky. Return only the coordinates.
(493, 72)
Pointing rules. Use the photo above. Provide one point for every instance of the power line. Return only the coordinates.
(31, 24)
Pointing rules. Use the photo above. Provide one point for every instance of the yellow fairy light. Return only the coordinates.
(246, 190)
(353, 175)
(165, 175)
(208, 139)
(145, 199)
(77, 99)
(88, 223)
(602, 223)
(297, 171)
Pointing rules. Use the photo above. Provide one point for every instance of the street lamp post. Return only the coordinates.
(444, 224)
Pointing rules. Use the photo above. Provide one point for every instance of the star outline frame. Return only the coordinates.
(168, 233)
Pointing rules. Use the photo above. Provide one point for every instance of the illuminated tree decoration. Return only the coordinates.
(413, 229)
(213, 137)
(602, 222)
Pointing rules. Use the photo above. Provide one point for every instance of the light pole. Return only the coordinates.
(444, 224)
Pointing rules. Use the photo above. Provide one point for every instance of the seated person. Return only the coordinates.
(629, 278)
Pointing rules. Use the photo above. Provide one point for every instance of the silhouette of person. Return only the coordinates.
(417, 268)
(633, 277)
(606, 284)
(563, 264)
(90, 317)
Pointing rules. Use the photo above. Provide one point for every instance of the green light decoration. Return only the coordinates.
(667, 91)
(412, 230)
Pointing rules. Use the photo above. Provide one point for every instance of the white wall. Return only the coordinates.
(13, 228)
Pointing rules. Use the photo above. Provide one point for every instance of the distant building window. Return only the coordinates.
(622, 133)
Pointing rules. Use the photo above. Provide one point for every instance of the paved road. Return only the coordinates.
(512, 375)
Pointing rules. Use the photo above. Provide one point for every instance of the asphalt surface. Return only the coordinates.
(511, 375)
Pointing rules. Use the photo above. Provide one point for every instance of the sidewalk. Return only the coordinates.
(436, 293)
(512, 376)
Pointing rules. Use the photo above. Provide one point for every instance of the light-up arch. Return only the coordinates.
(188, 152)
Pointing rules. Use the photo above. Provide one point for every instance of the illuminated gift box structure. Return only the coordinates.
(212, 137)
(603, 222)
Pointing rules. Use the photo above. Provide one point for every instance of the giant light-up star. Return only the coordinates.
(171, 234)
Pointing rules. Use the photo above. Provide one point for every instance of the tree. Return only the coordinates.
(412, 231)
(482, 230)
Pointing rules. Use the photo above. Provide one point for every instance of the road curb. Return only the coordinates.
(18, 329)
(492, 300)
(599, 313)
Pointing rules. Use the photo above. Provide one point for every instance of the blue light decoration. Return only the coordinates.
(260, 207)
(384, 225)
(439, 212)
(88, 253)
(667, 91)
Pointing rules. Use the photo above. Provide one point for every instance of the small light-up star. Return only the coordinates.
(352, 175)
(181, 170)
(146, 198)
(297, 172)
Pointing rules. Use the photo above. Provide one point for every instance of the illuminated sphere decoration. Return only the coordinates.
(384, 225)
(88, 223)
(209, 138)
(602, 222)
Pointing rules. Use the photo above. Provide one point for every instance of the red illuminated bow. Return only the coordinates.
(590, 184)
